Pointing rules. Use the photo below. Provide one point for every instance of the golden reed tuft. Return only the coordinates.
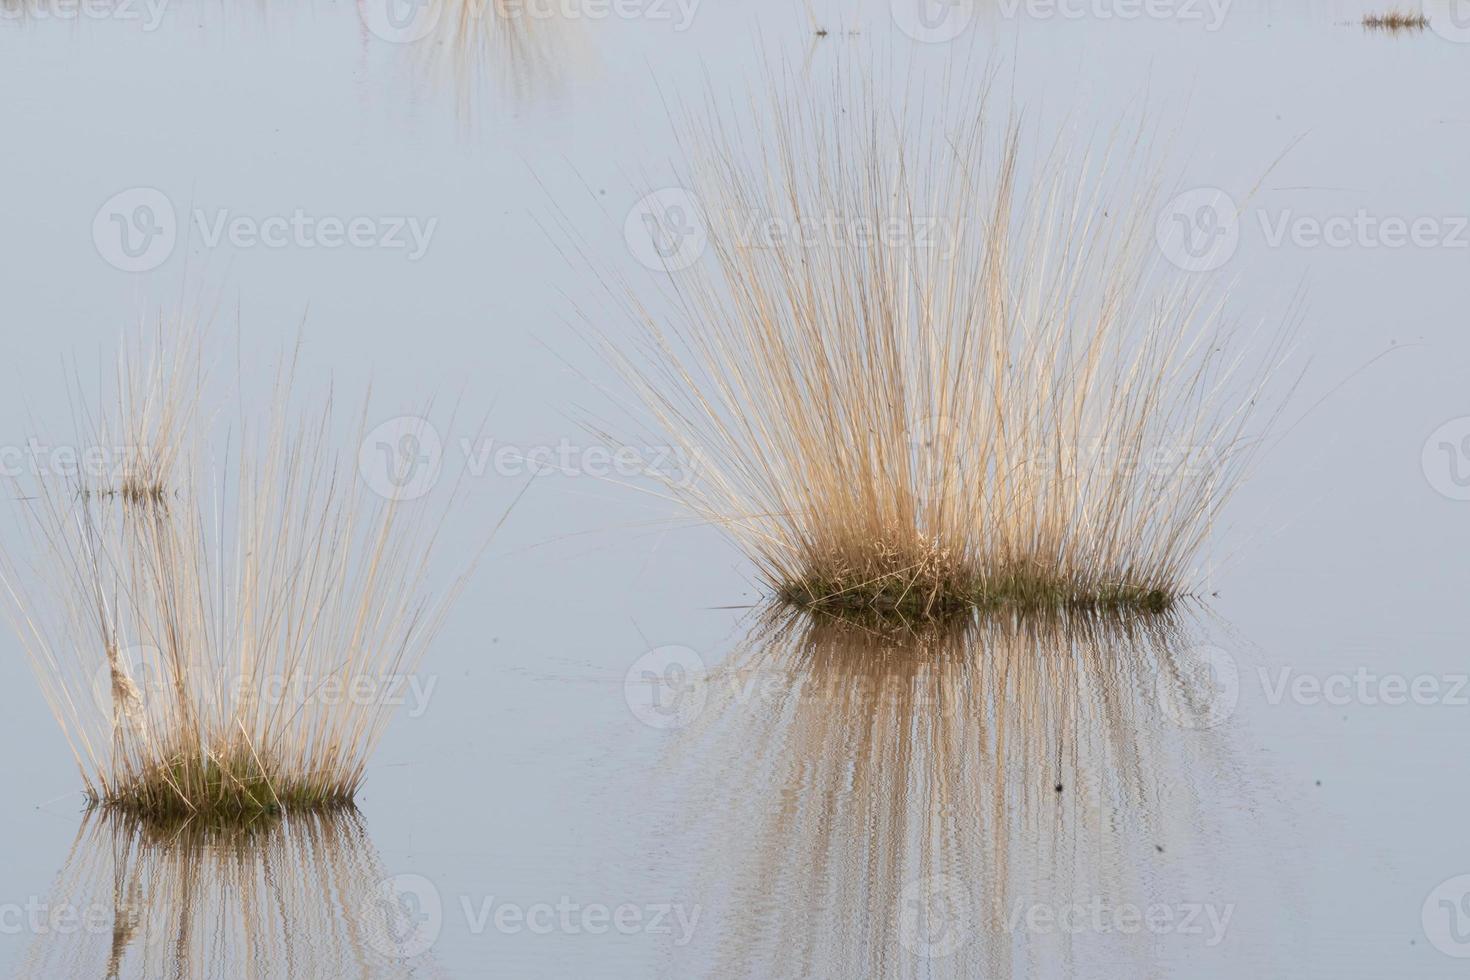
(215, 625)
(926, 363)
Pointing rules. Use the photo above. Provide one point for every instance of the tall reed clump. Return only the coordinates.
(217, 621)
(925, 362)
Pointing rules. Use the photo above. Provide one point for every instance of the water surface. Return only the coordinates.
(863, 805)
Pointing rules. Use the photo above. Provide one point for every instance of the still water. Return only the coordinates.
(1268, 785)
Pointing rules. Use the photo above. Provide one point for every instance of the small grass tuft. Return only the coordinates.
(217, 623)
(1396, 20)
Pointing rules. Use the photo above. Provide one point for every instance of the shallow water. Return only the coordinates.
(1270, 789)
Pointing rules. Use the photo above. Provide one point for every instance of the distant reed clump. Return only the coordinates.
(217, 624)
(1396, 20)
(925, 363)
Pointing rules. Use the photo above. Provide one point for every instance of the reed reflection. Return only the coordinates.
(897, 801)
(299, 896)
(502, 48)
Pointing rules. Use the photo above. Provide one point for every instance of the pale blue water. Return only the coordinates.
(1314, 830)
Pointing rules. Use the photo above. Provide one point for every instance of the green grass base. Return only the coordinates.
(941, 600)
(229, 788)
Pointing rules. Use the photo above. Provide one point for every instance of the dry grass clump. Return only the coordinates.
(216, 622)
(926, 363)
(1396, 20)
